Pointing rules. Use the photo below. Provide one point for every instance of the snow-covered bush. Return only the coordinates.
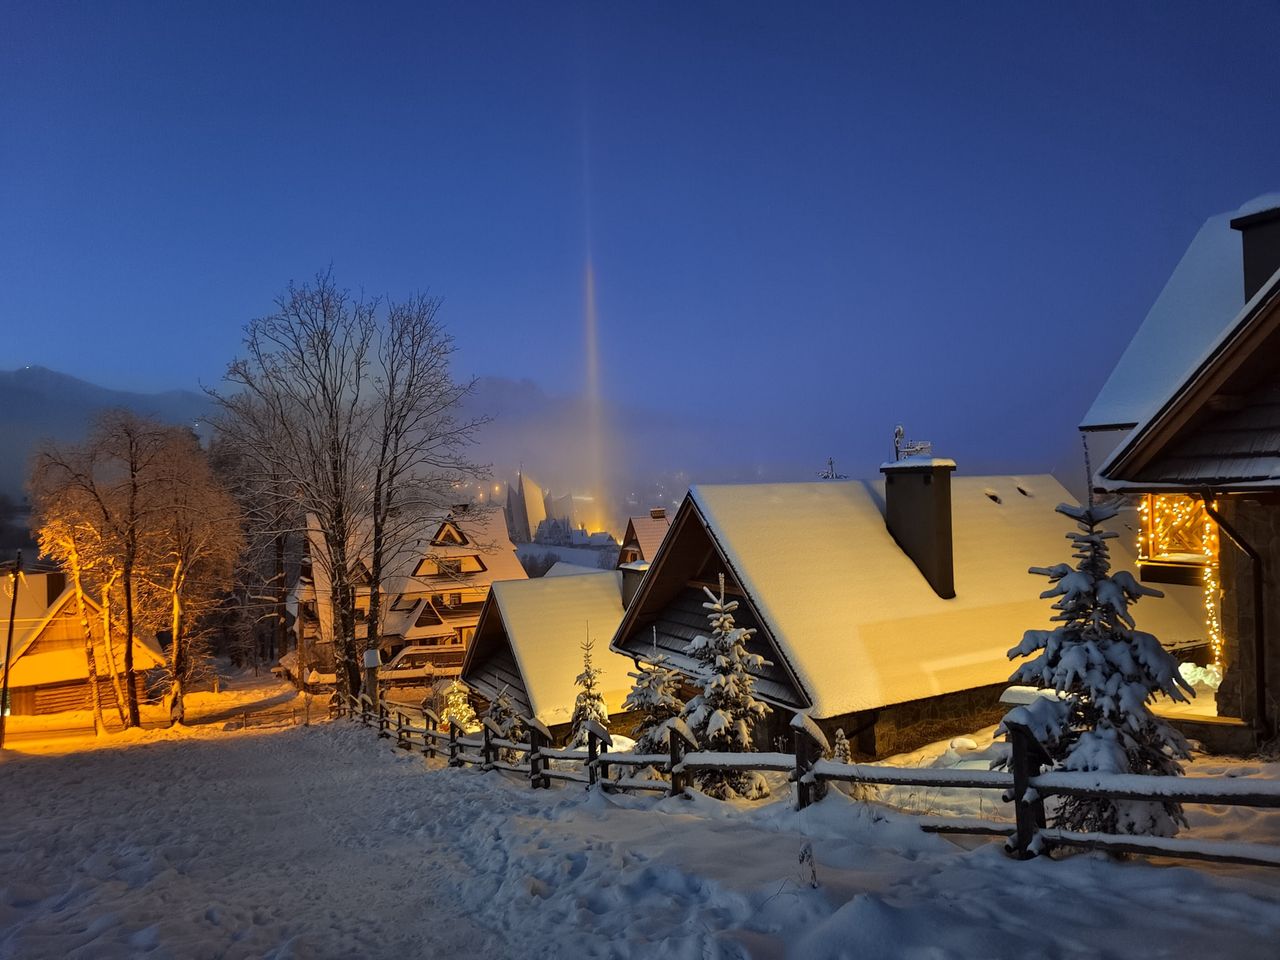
(1105, 673)
(721, 716)
(589, 704)
(457, 708)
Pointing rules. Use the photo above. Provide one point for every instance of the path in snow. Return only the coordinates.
(249, 845)
(325, 842)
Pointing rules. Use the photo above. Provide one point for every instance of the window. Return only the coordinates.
(449, 566)
(455, 599)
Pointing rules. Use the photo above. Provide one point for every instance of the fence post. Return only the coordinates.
(536, 759)
(384, 722)
(430, 723)
(402, 738)
(592, 773)
(487, 750)
(453, 745)
(679, 740)
(1027, 756)
(810, 745)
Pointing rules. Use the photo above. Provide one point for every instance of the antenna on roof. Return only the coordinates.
(903, 448)
(830, 472)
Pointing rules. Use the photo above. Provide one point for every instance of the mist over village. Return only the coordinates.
(672, 481)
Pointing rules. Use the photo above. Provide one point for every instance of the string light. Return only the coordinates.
(1176, 529)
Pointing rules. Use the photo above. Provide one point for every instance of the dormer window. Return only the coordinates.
(449, 536)
(449, 566)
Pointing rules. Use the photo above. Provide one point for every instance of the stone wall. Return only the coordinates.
(1259, 524)
(908, 726)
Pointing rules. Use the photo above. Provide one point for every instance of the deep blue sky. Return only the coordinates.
(817, 220)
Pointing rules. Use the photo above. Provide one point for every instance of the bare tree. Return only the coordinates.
(195, 539)
(301, 406)
(421, 446)
(348, 415)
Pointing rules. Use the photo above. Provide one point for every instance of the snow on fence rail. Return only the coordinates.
(1023, 784)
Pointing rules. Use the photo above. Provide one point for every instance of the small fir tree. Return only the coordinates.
(457, 708)
(589, 704)
(721, 716)
(503, 713)
(655, 696)
(840, 751)
(1106, 673)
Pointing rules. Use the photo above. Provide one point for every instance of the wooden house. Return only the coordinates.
(643, 537)
(50, 672)
(1202, 459)
(432, 593)
(884, 608)
(528, 643)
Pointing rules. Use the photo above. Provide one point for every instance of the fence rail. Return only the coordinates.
(1023, 785)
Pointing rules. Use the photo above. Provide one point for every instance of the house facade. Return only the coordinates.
(1202, 462)
(432, 592)
(643, 536)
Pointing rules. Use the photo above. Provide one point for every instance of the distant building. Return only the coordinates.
(50, 670)
(643, 536)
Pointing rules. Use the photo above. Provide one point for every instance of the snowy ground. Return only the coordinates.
(325, 842)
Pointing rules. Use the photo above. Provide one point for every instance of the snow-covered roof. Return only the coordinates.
(647, 533)
(36, 663)
(1202, 296)
(1232, 446)
(563, 568)
(854, 621)
(542, 624)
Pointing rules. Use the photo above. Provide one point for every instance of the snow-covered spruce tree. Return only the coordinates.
(721, 716)
(654, 695)
(457, 708)
(589, 704)
(840, 751)
(1105, 673)
(503, 712)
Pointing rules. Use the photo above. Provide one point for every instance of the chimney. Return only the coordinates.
(917, 499)
(1260, 238)
(658, 513)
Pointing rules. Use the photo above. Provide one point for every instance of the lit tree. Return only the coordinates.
(457, 708)
(722, 715)
(65, 536)
(1105, 673)
(193, 544)
(111, 479)
(589, 704)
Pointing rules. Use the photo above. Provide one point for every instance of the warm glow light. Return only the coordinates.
(1176, 529)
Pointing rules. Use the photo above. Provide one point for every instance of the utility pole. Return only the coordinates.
(8, 647)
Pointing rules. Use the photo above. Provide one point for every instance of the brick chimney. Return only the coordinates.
(1260, 239)
(658, 513)
(917, 500)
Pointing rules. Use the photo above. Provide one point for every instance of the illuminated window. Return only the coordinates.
(1178, 543)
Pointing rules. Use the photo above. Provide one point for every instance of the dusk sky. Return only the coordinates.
(808, 222)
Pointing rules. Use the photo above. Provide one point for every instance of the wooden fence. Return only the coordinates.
(1022, 785)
